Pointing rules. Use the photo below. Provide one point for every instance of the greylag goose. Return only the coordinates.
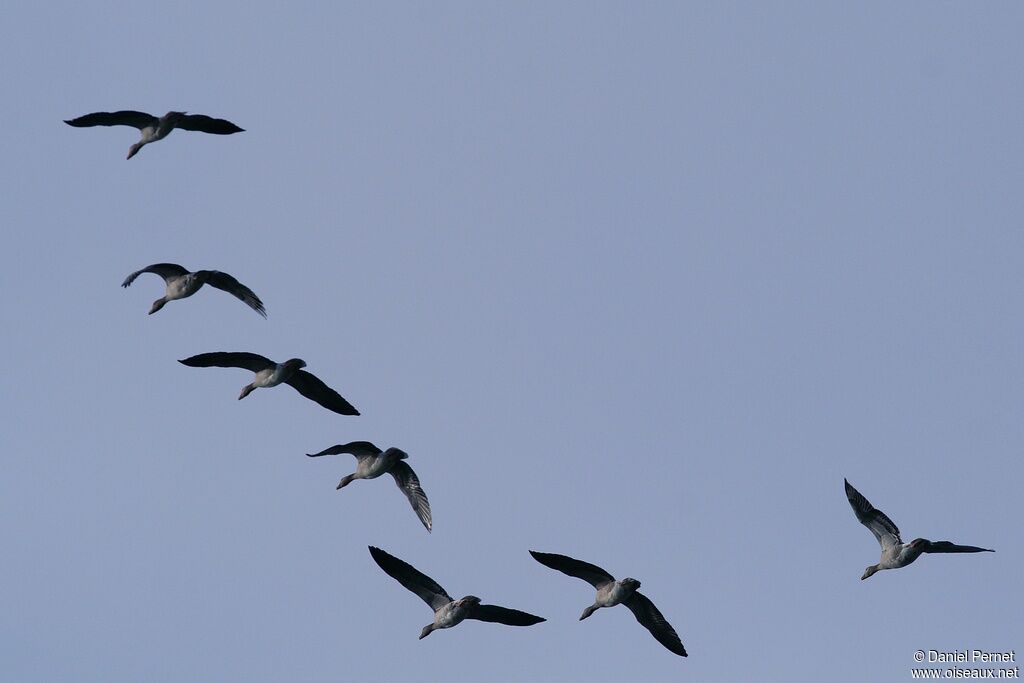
(181, 283)
(447, 612)
(155, 128)
(611, 592)
(270, 374)
(896, 553)
(371, 462)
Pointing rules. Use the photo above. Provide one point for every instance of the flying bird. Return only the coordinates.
(181, 284)
(155, 128)
(371, 462)
(447, 612)
(896, 553)
(611, 592)
(270, 374)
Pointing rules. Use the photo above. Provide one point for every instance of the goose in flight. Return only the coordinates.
(155, 128)
(611, 592)
(270, 374)
(896, 553)
(371, 462)
(181, 283)
(447, 612)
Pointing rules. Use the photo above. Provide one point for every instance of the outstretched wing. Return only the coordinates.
(413, 579)
(651, 619)
(310, 386)
(226, 359)
(207, 124)
(949, 547)
(410, 485)
(590, 573)
(360, 449)
(232, 286)
(135, 119)
(503, 615)
(875, 520)
(165, 270)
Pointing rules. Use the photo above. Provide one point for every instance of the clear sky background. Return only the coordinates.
(636, 283)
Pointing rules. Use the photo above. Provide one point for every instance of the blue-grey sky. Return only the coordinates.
(636, 283)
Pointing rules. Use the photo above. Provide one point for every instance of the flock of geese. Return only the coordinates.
(372, 462)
